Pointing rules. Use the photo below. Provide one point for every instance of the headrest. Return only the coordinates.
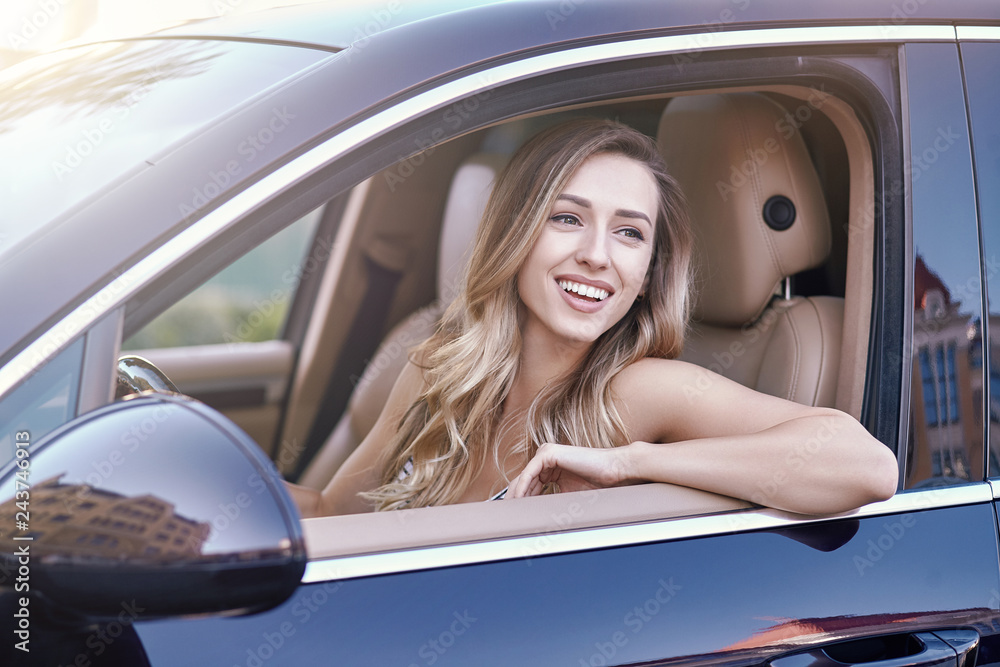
(757, 206)
(470, 189)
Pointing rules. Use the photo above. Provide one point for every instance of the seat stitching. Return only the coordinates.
(757, 191)
(796, 346)
(822, 350)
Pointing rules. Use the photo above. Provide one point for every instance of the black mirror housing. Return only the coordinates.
(157, 501)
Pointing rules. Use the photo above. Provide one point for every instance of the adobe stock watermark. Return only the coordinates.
(994, 601)
(223, 7)
(902, 12)
(698, 43)
(107, 633)
(453, 118)
(796, 459)
(895, 528)
(388, 353)
(263, 309)
(379, 20)
(307, 603)
(422, 321)
(561, 13)
(434, 648)
(893, 531)
(785, 128)
(34, 23)
(633, 623)
(970, 290)
(725, 359)
(130, 441)
(56, 339)
(232, 510)
(921, 161)
(91, 138)
(248, 149)
(561, 521)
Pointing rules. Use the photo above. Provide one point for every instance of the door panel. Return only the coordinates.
(738, 598)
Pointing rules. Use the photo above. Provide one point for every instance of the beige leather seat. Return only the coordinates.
(741, 164)
(470, 188)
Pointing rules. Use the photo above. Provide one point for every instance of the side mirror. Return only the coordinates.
(158, 500)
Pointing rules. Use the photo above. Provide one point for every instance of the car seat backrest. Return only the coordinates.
(759, 217)
(470, 188)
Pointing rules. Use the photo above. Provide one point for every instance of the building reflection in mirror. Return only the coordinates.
(87, 522)
(946, 422)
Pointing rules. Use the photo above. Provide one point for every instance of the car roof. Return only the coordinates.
(342, 23)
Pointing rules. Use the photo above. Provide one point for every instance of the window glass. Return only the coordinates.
(244, 303)
(945, 444)
(109, 109)
(982, 72)
(45, 401)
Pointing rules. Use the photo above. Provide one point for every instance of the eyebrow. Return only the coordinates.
(621, 213)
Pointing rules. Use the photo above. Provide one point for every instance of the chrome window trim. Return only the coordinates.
(227, 214)
(995, 486)
(548, 544)
(969, 33)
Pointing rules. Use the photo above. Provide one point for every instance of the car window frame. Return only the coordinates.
(348, 157)
(879, 409)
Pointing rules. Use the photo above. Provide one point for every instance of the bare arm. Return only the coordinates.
(695, 428)
(360, 472)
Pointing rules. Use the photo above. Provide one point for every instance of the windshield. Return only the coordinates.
(75, 121)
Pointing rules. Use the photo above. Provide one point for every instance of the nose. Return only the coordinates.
(593, 248)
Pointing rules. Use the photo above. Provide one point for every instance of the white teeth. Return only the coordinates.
(584, 290)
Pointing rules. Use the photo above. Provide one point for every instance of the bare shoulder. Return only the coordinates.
(410, 384)
(637, 379)
(645, 388)
(665, 400)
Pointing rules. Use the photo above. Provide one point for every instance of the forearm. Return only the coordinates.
(309, 500)
(818, 464)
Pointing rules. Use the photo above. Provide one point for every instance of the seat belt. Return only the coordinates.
(359, 348)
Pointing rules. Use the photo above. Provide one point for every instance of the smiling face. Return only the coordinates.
(591, 259)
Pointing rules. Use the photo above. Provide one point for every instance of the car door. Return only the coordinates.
(980, 50)
(912, 580)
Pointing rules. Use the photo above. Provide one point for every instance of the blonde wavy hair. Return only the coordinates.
(471, 361)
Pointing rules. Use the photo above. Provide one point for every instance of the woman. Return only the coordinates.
(555, 367)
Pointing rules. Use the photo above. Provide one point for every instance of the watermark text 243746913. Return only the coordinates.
(22, 553)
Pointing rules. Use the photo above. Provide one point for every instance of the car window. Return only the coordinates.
(946, 422)
(982, 69)
(246, 302)
(43, 402)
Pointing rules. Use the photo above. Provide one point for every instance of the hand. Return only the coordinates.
(570, 469)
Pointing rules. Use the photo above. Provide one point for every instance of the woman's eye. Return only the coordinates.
(566, 219)
(633, 233)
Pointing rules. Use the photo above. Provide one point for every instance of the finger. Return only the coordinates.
(527, 483)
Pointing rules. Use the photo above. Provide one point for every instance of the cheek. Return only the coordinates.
(545, 254)
(635, 270)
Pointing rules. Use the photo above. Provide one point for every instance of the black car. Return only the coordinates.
(218, 242)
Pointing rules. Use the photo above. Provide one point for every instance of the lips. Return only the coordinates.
(582, 294)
